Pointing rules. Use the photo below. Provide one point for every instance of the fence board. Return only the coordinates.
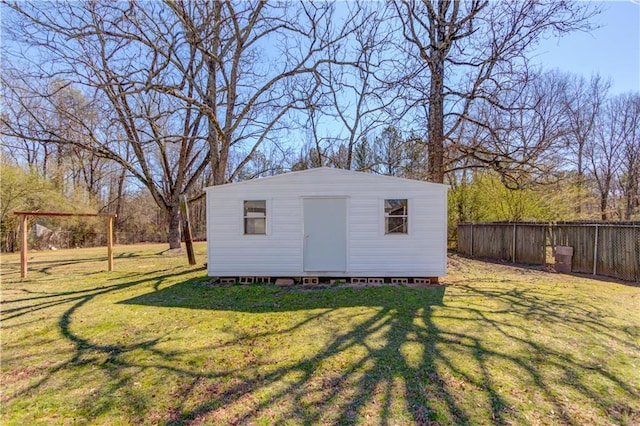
(618, 253)
(493, 241)
(465, 238)
(531, 243)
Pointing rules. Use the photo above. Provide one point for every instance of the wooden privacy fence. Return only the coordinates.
(610, 249)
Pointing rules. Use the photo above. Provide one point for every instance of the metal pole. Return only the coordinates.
(595, 253)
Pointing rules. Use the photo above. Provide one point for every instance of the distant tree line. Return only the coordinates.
(130, 105)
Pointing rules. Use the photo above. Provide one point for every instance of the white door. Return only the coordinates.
(325, 234)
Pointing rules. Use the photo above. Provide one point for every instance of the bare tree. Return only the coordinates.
(262, 62)
(462, 52)
(523, 142)
(32, 150)
(189, 85)
(355, 84)
(67, 167)
(605, 152)
(99, 50)
(628, 109)
(582, 101)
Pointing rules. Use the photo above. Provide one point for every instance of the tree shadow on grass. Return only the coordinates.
(40, 263)
(400, 351)
(38, 301)
(393, 355)
(338, 394)
(35, 300)
(46, 266)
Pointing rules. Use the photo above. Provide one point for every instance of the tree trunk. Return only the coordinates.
(120, 196)
(174, 226)
(435, 145)
(604, 200)
(580, 181)
(631, 194)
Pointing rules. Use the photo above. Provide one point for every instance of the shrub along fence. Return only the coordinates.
(604, 248)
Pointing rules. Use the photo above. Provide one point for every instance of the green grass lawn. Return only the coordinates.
(154, 343)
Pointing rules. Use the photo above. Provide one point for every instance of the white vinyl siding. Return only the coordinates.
(370, 251)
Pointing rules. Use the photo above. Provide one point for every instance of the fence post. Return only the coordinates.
(110, 243)
(595, 252)
(513, 253)
(471, 254)
(23, 247)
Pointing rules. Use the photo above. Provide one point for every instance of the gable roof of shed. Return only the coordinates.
(330, 171)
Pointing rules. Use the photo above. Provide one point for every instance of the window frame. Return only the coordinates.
(386, 216)
(247, 216)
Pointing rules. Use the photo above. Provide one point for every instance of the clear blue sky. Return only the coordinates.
(613, 50)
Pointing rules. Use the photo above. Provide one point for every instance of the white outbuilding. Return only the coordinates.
(327, 222)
